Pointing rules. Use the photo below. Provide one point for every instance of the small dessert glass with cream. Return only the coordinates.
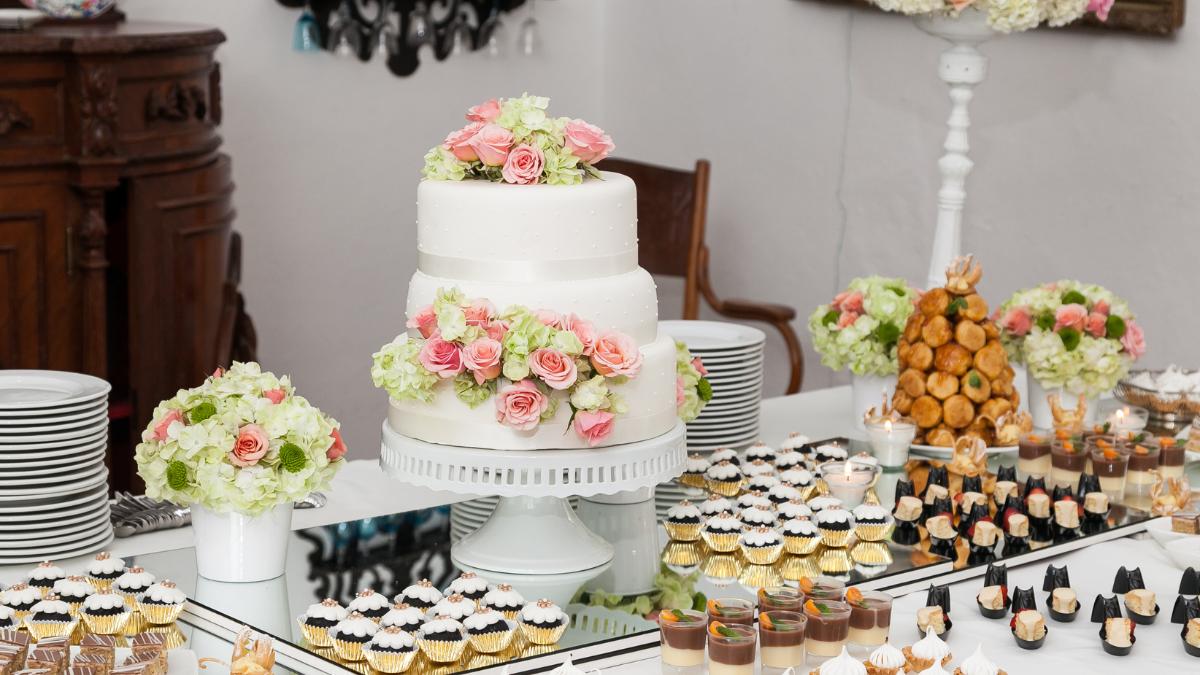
(1033, 455)
(870, 617)
(731, 649)
(1110, 463)
(1068, 460)
(682, 636)
(731, 611)
(781, 639)
(780, 599)
(1143, 461)
(828, 627)
(1171, 454)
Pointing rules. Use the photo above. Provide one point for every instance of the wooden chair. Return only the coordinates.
(672, 208)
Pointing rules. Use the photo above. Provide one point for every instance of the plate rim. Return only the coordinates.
(54, 445)
(60, 552)
(71, 503)
(90, 481)
(98, 387)
(95, 420)
(72, 515)
(47, 469)
(68, 415)
(756, 336)
(82, 431)
(72, 529)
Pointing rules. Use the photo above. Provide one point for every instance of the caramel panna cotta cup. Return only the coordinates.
(731, 649)
(828, 627)
(1033, 455)
(682, 637)
(781, 639)
(731, 611)
(1067, 463)
(870, 617)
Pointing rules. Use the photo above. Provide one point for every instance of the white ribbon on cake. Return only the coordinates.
(526, 271)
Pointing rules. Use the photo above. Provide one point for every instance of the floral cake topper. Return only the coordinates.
(514, 140)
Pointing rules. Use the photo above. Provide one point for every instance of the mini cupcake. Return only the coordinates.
(162, 603)
(818, 504)
(8, 618)
(370, 604)
(488, 631)
(452, 606)
(403, 616)
(978, 664)
(50, 617)
(885, 660)
(133, 583)
(469, 585)
(715, 505)
(442, 640)
(44, 575)
(829, 452)
(761, 545)
(758, 516)
(759, 451)
(421, 595)
(753, 498)
(543, 622)
(20, 598)
(351, 634)
(872, 522)
(724, 455)
(391, 650)
(801, 536)
(693, 472)
(73, 590)
(721, 533)
(724, 478)
(105, 613)
(505, 600)
(761, 483)
(319, 618)
(788, 459)
(835, 525)
(684, 521)
(793, 508)
(783, 493)
(104, 569)
(800, 478)
(926, 652)
(757, 467)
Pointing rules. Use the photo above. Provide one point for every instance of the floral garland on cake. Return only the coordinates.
(513, 140)
(861, 327)
(518, 356)
(242, 441)
(1072, 335)
(693, 391)
(1006, 16)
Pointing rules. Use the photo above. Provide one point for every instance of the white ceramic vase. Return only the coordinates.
(1039, 407)
(868, 392)
(234, 547)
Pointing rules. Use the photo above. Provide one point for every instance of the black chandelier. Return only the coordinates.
(396, 30)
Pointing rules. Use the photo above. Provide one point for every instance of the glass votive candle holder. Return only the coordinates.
(1122, 419)
(849, 481)
(891, 438)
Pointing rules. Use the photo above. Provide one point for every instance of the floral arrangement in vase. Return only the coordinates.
(860, 328)
(692, 390)
(1074, 336)
(1005, 16)
(514, 140)
(241, 442)
(528, 361)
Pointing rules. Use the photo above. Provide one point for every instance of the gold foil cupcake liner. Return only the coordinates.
(721, 542)
(722, 567)
(106, 624)
(871, 553)
(101, 585)
(159, 614)
(137, 624)
(390, 662)
(796, 568)
(348, 650)
(725, 488)
(805, 491)
(695, 480)
(490, 643)
(536, 650)
(361, 667)
(19, 616)
(760, 576)
(540, 635)
(835, 538)
(680, 553)
(442, 651)
(40, 630)
(684, 532)
(317, 636)
(835, 561)
(800, 545)
(174, 637)
(873, 532)
(762, 555)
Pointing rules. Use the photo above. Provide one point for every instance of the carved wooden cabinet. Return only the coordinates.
(117, 250)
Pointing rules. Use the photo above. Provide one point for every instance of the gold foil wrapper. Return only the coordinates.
(721, 542)
(540, 635)
(806, 491)
(137, 624)
(537, 650)
(835, 561)
(800, 545)
(695, 480)
(725, 488)
(443, 651)
(683, 531)
(490, 643)
(720, 567)
(106, 624)
(835, 538)
(681, 553)
(762, 555)
(760, 576)
(316, 636)
(174, 637)
(871, 553)
(40, 630)
(348, 650)
(796, 568)
(873, 532)
(101, 585)
(390, 662)
(159, 614)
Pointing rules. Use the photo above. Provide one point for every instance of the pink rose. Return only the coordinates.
(491, 144)
(556, 368)
(425, 321)
(219, 372)
(1100, 8)
(548, 317)
(1100, 307)
(1017, 321)
(275, 395)
(337, 448)
(586, 141)
(487, 111)
(679, 392)
(441, 357)
(524, 165)
(482, 358)
(479, 312)
(849, 302)
(616, 354)
(251, 445)
(1096, 324)
(496, 330)
(582, 328)
(593, 426)
(1134, 340)
(160, 429)
(961, 4)
(699, 366)
(846, 319)
(459, 142)
(1070, 316)
(520, 405)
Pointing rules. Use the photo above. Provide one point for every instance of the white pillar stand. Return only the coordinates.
(532, 535)
(961, 67)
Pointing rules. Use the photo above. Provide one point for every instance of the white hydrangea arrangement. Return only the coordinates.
(692, 389)
(241, 442)
(860, 328)
(1006, 16)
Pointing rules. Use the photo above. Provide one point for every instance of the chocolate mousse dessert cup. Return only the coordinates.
(1068, 460)
(1141, 472)
(682, 634)
(870, 617)
(781, 639)
(1033, 454)
(780, 599)
(731, 611)
(828, 627)
(731, 649)
(1171, 455)
(1110, 463)
(823, 588)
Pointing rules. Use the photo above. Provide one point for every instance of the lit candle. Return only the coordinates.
(848, 481)
(1127, 420)
(890, 439)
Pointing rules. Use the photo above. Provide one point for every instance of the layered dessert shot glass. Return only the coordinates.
(823, 588)
(781, 639)
(1110, 463)
(731, 649)
(870, 617)
(1140, 472)
(828, 627)
(731, 611)
(1067, 463)
(780, 599)
(1033, 455)
(682, 634)
(1171, 455)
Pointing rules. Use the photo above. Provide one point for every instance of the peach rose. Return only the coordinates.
(616, 354)
(520, 405)
(1101, 307)
(961, 4)
(479, 312)
(846, 319)
(425, 321)
(699, 366)
(337, 448)
(275, 395)
(582, 328)
(1100, 7)
(1097, 324)
(1070, 316)
(441, 357)
(849, 302)
(586, 141)
(160, 429)
(251, 445)
(1134, 340)
(496, 330)
(491, 144)
(594, 427)
(554, 367)
(218, 372)
(523, 165)
(1017, 321)
(549, 317)
(482, 358)
(487, 111)
(679, 391)
(459, 142)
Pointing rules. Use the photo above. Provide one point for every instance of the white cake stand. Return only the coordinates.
(533, 530)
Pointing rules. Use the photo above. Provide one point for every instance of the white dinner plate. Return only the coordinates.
(716, 416)
(736, 383)
(8, 419)
(36, 389)
(68, 464)
(86, 479)
(734, 360)
(49, 476)
(740, 370)
(938, 451)
(738, 393)
(27, 432)
(44, 520)
(750, 405)
(57, 534)
(712, 334)
(60, 551)
(735, 444)
(85, 408)
(72, 432)
(34, 460)
(27, 448)
(720, 436)
(44, 508)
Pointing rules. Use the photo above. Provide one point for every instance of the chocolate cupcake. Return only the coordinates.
(442, 640)
(73, 590)
(872, 522)
(800, 478)
(757, 467)
(683, 521)
(752, 498)
(403, 616)
(20, 598)
(761, 545)
(454, 607)
(543, 622)
(351, 634)
(162, 603)
(818, 504)
(763, 483)
(469, 585)
(721, 533)
(390, 650)
(795, 442)
(801, 536)
(758, 516)
(50, 617)
(319, 618)
(793, 508)
(505, 600)
(370, 604)
(715, 505)
(835, 525)
(788, 459)
(724, 478)
(8, 618)
(693, 472)
(421, 595)
(759, 451)
(784, 493)
(830, 452)
(44, 575)
(104, 569)
(133, 583)
(724, 455)
(488, 631)
(105, 613)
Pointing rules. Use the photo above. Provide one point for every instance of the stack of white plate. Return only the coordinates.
(733, 355)
(53, 482)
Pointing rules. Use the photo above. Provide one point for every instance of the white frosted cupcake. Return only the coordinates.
(800, 478)
(749, 500)
(724, 478)
(8, 618)
(761, 545)
(162, 603)
(693, 471)
(543, 622)
(319, 618)
(390, 650)
(872, 522)
(73, 590)
(133, 583)
(715, 505)
(422, 595)
(351, 634)
(785, 492)
(788, 459)
(818, 504)
(442, 640)
(104, 569)
(488, 631)
(404, 616)
(829, 453)
(801, 536)
(793, 508)
(835, 525)
(757, 467)
(469, 585)
(370, 604)
(453, 607)
(759, 451)
(505, 600)
(759, 516)
(44, 575)
(683, 521)
(761, 483)
(105, 613)
(886, 660)
(20, 598)
(724, 455)
(721, 532)
(794, 442)
(50, 617)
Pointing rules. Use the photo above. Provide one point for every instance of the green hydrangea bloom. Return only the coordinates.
(868, 346)
(591, 394)
(524, 115)
(451, 319)
(441, 164)
(397, 370)
(472, 393)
